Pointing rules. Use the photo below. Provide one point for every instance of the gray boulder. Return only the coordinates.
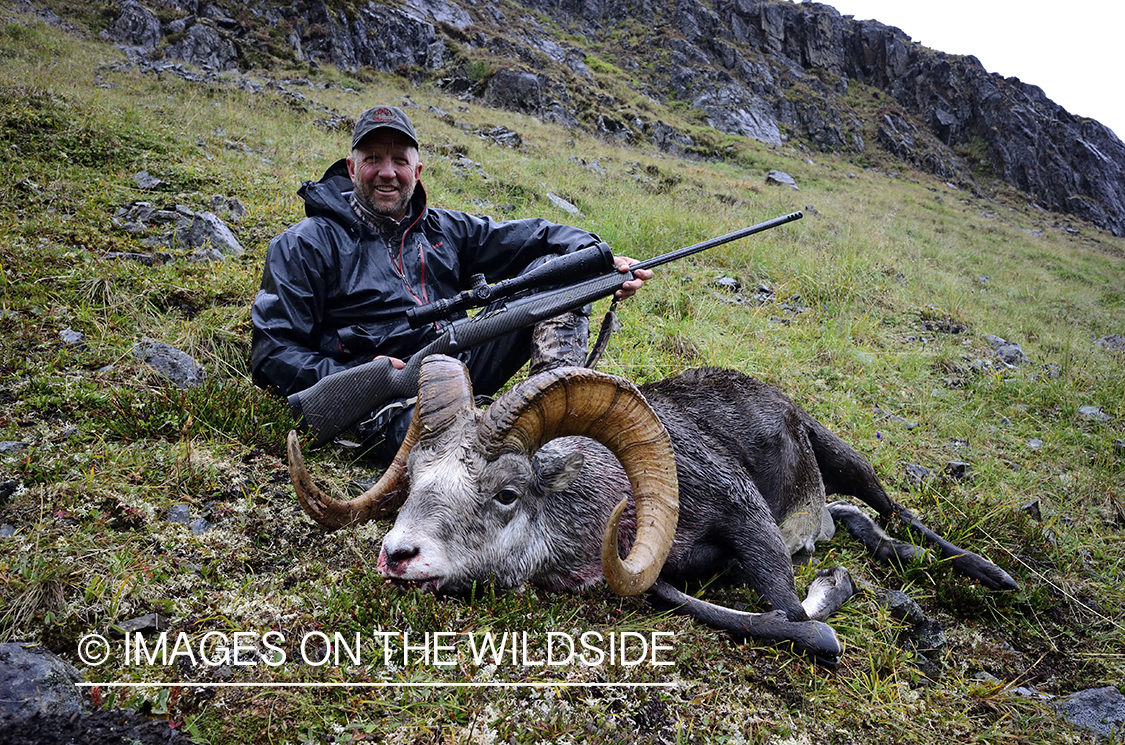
(439, 11)
(177, 366)
(736, 111)
(781, 178)
(207, 231)
(1113, 342)
(1100, 710)
(1093, 414)
(227, 208)
(147, 181)
(669, 140)
(378, 36)
(203, 46)
(1010, 353)
(563, 205)
(515, 91)
(34, 681)
(135, 26)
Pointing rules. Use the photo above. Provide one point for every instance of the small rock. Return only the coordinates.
(7, 531)
(177, 366)
(1009, 352)
(1113, 342)
(140, 258)
(917, 474)
(227, 208)
(1029, 692)
(147, 181)
(179, 513)
(150, 622)
(199, 526)
(1093, 414)
(929, 636)
(902, 606)
(894, 418)
(763, 295)
(927, 667)
(958, 470)
(563, 205)
(781, 178)
(71, 337)
(1100, 710)
(34, 681)
(206, 231)
(205, 254)
(1033, 511)
(501, 136)
(1034, 443)
(12, 446)
(728, 283)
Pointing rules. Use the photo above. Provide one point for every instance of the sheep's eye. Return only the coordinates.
(506, 496)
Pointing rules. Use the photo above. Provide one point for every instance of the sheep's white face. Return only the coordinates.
(471, 521)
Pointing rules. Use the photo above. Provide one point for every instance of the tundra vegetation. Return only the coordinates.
(875, 321)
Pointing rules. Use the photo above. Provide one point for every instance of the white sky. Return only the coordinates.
(1074, 51)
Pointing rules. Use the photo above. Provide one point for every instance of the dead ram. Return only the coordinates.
(521, 492)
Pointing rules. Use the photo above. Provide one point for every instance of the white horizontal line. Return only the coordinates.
(536, 684)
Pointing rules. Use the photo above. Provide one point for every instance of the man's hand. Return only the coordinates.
(622, 263)
(396, 363)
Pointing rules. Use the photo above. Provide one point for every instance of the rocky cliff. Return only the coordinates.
(782, 73)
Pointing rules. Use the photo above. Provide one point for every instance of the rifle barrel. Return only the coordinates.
(680, 253)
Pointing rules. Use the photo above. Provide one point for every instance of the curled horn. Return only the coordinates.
(580, 401)
(443, 391)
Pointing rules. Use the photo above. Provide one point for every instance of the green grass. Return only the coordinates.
(112, 447)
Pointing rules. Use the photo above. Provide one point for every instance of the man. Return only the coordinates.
(336, 286)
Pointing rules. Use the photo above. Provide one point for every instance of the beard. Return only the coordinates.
(366, 195)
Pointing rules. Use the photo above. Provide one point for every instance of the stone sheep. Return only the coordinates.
(572, 469)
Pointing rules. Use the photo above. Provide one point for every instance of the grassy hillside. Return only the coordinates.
(883, 297)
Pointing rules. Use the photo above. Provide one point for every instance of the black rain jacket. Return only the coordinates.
(334, 292)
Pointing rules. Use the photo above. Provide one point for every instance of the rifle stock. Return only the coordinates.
(341, 400)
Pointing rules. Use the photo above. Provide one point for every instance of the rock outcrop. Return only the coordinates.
(771, 70)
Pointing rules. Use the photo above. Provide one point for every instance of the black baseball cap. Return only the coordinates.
(378, 117)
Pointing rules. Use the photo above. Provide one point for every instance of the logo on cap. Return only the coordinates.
(383, 114)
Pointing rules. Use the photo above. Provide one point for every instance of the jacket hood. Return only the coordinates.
(330, 197)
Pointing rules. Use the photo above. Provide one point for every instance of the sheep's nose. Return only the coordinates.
(397, 558)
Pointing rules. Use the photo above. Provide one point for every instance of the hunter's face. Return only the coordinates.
(384, 168)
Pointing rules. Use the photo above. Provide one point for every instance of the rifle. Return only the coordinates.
(342, 399)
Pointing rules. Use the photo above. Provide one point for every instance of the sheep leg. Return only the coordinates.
(829, 590)
(729, 524)
(813, 638)
(884, 547)
(845, 471)
(763, 561)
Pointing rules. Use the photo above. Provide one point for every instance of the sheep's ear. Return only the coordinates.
(556, 472)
